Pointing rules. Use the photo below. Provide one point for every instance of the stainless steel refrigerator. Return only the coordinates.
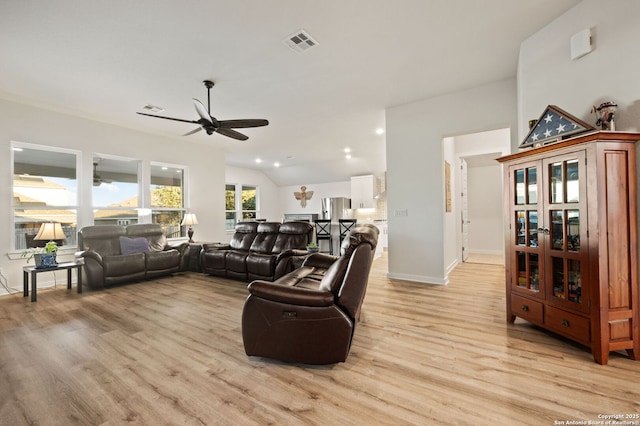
(336, 208)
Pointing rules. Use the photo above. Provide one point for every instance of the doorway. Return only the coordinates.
(479, 231)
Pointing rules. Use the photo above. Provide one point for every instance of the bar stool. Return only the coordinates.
(323, 232)
(345, 226)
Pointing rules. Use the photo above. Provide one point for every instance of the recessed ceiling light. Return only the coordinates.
(258, 160)
(348, 156)
(347, 150)
(276, 164)
(379, 131)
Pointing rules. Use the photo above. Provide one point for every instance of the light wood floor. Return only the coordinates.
(170, 351)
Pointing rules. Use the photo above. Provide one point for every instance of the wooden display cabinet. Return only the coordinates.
(571, 240)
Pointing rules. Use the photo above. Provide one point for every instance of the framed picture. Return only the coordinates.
(447, 186)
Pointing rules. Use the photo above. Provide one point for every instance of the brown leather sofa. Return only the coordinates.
(115, 254)
(258, 250)
(309, 315)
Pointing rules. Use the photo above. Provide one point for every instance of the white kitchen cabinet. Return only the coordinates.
(363, 189)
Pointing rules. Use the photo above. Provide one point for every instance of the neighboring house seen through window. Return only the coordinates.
(45, 189)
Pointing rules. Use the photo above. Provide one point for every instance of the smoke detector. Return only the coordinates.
(300, 41)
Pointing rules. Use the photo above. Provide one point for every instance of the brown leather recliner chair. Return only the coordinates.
(309, 315)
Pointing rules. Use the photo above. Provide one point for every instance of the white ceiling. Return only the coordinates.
(105, 60)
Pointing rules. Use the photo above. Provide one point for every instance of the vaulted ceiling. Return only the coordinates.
(105, 60)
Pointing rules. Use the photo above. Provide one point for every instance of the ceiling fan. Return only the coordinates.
(209, 122)
(97, 180)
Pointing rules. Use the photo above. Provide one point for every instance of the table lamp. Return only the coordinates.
(50, 231)
(189, 219)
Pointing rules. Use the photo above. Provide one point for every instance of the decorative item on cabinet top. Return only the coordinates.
(554, 125)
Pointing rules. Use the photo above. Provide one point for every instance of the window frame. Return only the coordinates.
(238, 210)
(137, 208)
(185, 197)
(14, 146)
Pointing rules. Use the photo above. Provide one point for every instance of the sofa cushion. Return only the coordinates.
(266, 237)
(134, 245)
(292, 235)
(235, 261)
(243, 237)
(262, 265)
(162, 260)
(332, 280)
(102, 239)
(152, 232)
(124, 265)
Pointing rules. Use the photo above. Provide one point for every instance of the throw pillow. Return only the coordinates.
(133, 245)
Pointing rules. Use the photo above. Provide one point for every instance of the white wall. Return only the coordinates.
(451, 219)
(275, 200)
(269, 192)
(25, 123)
(548, 76)
(415, 162)
(289, 204)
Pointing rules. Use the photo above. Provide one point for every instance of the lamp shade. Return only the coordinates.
(189, 219)
(50, 231)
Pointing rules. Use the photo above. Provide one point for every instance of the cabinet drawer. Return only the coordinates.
(527, 309)
(570, 325)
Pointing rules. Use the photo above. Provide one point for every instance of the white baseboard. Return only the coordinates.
(420, 278)
(495, 252)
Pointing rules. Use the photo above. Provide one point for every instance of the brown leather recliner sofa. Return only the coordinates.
(116, 254)
(258, 250)
(309, 315)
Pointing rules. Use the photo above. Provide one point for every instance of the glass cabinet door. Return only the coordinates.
(565, 217)
(525, 226)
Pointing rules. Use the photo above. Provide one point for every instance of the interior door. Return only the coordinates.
(464, 209)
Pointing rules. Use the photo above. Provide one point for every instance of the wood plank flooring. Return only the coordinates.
(169, 352)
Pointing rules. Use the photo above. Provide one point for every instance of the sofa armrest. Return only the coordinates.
(319, 260)
(290, 253)
(90, 254)
(291, 295)
(180, 247)
(215, 246)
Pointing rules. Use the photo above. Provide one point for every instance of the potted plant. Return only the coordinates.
(44, 257)
(312, 248)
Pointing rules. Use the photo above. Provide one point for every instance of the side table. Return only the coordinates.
(33, 271)
(193, 257)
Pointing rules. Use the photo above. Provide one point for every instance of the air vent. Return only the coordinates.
(300, 41)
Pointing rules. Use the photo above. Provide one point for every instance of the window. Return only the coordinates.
(45, 189)
(115, 190)
(241, 202)
(167, 198)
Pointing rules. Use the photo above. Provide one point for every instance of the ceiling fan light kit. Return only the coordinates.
(210, 124)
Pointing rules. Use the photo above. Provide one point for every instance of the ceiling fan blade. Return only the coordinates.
(168, 118)
(193, 131)
(202, 111)
(232, 134)
(240, 124)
